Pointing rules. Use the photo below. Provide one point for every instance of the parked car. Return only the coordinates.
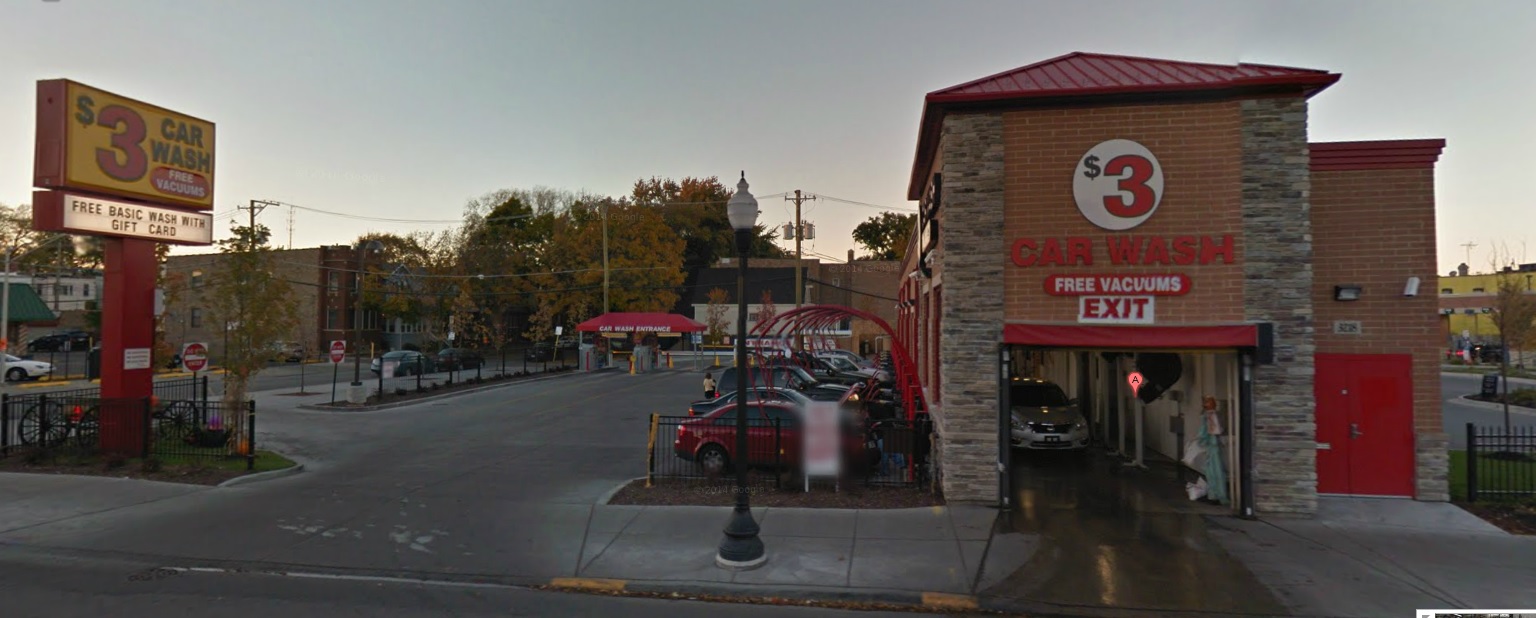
(20, 369)
(1043, 418)
(75, 340)
(287, 352)
(568, 342)
(755, 394)
(410, 362)
(1488, 353)
(710, 440)
(842, 365)
(786, 375)
(455, 359)
(857, 360)
(541, 352)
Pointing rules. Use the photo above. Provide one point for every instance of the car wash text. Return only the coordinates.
(1126, 251)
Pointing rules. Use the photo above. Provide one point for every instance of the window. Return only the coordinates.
(333, 281)
(1477, 290)
(87, 290)
(1447, 291)
(332, 319)
(197, 317)
(197, 278)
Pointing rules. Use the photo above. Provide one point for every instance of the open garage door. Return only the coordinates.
(1173, 427)
(1188, 417)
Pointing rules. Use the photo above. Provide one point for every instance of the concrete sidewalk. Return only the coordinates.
(937, 556)
(1370, 557)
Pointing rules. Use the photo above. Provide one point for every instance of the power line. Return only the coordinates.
(866, 204)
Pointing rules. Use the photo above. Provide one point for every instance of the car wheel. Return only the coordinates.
(713, 459)
(16, 374)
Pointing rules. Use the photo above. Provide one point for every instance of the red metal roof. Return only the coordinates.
(640, 322)
(1377, 155)
(1080, 75)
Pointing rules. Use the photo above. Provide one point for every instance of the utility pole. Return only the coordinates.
(605, 257)
(290, 225)
(799, 256)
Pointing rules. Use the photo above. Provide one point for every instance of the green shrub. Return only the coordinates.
(1523, 397)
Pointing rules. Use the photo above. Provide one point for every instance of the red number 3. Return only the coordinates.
(1142, 196)
(134, 163)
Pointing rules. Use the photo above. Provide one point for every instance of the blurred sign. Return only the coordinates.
(136, 358)
(558, 329)
(823, 446)
(389, 368)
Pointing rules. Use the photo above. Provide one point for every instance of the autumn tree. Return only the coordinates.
(1514, 316)
(885, 236)
(259, 306)
(716, 315)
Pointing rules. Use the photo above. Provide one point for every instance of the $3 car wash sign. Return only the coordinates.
(121, 167)
(1117, 186)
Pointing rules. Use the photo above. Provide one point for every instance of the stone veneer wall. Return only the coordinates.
(1277, 263)
(971, 323)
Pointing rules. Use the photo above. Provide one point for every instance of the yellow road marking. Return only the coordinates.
(584, 583)
(949, 601)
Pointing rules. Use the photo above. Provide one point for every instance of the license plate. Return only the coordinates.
(1053, 438)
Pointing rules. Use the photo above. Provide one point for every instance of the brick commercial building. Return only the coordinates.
(861, 284)
(1093, 216)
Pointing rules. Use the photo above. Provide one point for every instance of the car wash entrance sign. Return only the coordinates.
(136, 175)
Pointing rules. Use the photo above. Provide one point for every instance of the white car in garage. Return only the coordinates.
(19, 369)
(1044, 418)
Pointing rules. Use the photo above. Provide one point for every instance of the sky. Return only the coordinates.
(400, 109)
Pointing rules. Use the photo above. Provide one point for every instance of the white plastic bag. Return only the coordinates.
(1194, 454)
(1196, 489)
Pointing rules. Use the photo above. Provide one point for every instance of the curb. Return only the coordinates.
(263, 476)
(603, 501)
(941, 601)
(1489, 405)
(401, 404)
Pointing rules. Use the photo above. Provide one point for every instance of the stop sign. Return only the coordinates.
(194, 357)
(338, 351)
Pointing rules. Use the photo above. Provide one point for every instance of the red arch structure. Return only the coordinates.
(813, 319)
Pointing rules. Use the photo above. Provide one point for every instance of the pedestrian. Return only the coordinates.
(709, 386)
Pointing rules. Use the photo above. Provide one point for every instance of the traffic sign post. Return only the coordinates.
(194, 357)
(337, 355)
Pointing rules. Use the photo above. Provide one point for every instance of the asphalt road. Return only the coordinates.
(55, 586)
(1456, 412)
(491, 487)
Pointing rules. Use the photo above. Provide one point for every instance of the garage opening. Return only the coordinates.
(1076, 415)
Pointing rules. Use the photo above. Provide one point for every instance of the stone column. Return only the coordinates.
(971, 275)
(1277, 263)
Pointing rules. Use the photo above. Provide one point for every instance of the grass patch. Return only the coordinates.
(1494, 474)
(266, 461)
(1485, 369)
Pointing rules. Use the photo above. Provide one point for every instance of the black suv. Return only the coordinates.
(76, 340)
(455, 359)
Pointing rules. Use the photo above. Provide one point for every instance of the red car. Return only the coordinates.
(710, 440)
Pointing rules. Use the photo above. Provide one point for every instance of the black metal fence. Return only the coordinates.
(175, 389)
(1501, 463)
(883, 453)
(185, 431)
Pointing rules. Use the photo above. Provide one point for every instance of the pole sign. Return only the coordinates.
(94, 141)
(60, 211)
(194, 357)
(338, 351)
(823, 446)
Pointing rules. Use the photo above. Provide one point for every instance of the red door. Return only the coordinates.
(1365, 424)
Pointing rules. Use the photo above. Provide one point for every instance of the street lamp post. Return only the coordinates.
(742, 548)
(356, 394)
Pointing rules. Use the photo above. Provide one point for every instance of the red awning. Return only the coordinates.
(640, 322)
(1097, 336)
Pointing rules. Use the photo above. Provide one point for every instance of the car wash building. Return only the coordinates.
(1090, 217)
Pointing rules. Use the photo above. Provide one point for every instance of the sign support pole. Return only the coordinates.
(128, 290)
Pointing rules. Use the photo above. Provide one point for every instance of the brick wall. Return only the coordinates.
(299, 267)
(1198, 148)
(1277, 268)
(971, 232)
(1352, 246)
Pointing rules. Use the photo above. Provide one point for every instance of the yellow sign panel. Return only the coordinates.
(119, 146)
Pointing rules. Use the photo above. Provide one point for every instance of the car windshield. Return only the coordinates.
(1037, 395)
